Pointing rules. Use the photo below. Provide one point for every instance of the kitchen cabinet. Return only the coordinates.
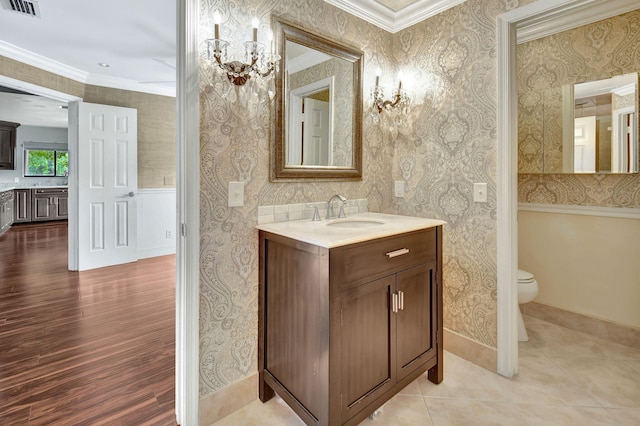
(8, 132)
(22, 205)
(343, 329)
(6, 210)
(49, 204)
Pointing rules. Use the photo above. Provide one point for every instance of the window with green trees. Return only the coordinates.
(46, 162)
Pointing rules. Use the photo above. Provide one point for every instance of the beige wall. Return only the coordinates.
(156, 118)
(583, 264)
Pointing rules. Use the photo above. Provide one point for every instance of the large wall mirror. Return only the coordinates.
(600, 124)
(578, 100)
(317, 132)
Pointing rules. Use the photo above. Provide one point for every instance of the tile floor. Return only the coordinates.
(566, 378)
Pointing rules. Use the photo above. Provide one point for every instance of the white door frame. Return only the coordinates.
(188, 215)
(539, 19)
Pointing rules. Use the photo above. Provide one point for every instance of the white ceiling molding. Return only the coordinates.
(574, 14)
(47, 64)
(36, 90)
(385, 18)
(306, 60)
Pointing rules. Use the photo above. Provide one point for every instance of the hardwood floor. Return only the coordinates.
(83, 348)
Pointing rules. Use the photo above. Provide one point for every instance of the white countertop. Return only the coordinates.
(319, 234)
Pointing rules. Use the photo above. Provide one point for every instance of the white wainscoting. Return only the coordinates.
(619, 212)
(156, 217)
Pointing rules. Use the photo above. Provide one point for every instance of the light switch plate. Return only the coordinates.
(236, 194)
(398, 188)
(480, 192)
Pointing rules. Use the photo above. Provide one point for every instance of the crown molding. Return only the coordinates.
(551, 18)
(385, 18)
(42, 62)
(421, 10)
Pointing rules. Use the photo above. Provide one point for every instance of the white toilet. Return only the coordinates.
(527, 291)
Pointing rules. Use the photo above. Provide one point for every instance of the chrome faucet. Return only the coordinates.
(330, 213)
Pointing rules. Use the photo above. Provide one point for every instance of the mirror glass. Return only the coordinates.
(317, 133)
(587, 127)
(601, 126)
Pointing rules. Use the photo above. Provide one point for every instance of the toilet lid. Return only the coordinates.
(524, 276)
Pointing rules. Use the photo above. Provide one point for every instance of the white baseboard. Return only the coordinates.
(155, 252)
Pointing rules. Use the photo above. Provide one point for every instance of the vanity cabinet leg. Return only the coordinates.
(436, 373)
(265, 392)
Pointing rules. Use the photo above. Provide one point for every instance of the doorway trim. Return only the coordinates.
(536, 20)
(188, 214)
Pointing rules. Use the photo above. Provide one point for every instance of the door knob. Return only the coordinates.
(130, 194)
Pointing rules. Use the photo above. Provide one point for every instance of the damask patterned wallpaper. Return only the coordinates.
(592, 52)
(450, 145)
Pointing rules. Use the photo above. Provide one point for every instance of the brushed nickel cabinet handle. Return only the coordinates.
(394, 307)
(401, 300)
(397, 253)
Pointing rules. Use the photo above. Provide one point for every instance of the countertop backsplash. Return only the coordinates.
(287, 212)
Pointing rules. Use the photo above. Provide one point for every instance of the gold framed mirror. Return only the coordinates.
(317, 133)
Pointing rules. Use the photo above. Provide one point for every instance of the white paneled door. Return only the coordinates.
(103, 185)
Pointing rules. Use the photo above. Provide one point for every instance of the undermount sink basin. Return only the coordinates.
(354, 223)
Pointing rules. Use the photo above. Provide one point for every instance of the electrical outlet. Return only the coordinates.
(480, 192)
(16, 179)
(168, 234)
(398, 188)
(236, 194)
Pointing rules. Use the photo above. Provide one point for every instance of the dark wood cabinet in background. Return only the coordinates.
(49, 204)
(7, 144)
(22, 205)
(342, 330)
(6, 210)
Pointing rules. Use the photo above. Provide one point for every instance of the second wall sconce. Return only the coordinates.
(399, 99)
(258, 63)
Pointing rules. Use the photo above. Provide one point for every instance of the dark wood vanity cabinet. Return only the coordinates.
(342, 330)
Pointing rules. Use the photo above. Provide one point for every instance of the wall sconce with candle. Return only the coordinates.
(258, 63)
(399, 99)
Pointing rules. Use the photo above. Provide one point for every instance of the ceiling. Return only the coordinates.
(137, 40)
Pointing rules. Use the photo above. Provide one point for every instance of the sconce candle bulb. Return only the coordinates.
(216, 21)
(258, 63)
(270, 39)
(255, 23)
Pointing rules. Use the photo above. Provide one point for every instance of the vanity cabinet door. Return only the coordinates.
(367, 341)
(416, 331)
